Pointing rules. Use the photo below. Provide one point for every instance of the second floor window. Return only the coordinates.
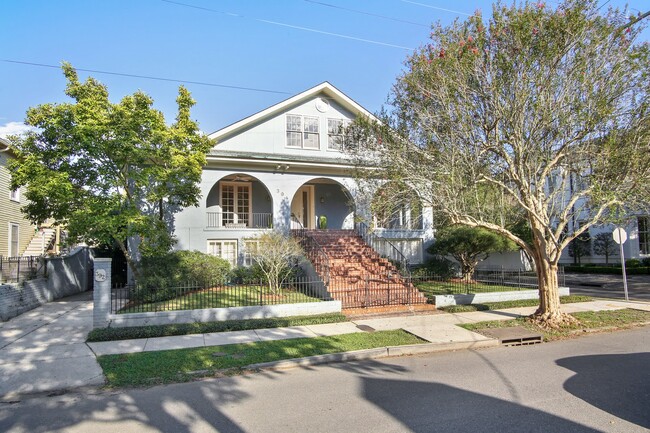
(14, 195)
(303, 132)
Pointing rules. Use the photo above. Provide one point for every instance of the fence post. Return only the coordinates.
(101, 292)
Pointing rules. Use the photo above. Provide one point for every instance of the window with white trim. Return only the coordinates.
(335, 129)
(250, 249)
(14, 195)
(644, 235)
(303, 132)
(224, 248)
(14, 239)
(235, 203)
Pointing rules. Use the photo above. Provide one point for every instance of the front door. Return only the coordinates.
(302, 206)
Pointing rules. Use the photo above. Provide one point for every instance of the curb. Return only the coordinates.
(377, 353)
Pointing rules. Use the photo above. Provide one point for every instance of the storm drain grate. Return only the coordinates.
(514, 336)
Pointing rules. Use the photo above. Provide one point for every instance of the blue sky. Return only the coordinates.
(234, 44)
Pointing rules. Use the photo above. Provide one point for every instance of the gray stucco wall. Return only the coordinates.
(66, 276)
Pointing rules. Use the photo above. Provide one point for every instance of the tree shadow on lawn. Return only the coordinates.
(613, 383)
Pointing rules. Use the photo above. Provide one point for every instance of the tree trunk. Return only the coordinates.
(549, 313)
(549, 295)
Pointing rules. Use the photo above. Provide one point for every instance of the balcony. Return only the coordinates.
(235, 220)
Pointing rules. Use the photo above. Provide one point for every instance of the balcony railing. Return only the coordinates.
(239, 220)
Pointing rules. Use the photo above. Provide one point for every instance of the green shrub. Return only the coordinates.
(182, 267)
(633, 263)
(247, 275)
(438, 266)
(645, 261)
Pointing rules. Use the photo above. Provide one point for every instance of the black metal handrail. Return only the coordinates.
(394, 254)
(318, 256)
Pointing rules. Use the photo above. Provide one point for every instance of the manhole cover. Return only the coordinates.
(514, 336)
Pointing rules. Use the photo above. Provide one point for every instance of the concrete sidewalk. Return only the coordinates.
(434, 328)
(45, 350)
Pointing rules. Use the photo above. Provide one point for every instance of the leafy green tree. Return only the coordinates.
(109, 171)
(604, 245)
(275, 254)
(469, 246)
(539, 114)
(580, 247)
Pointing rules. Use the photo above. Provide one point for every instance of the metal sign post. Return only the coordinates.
(620, 237)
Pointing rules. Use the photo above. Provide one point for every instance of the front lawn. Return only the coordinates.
(149, 368)
(432, 288)
(510, 304)
(589, 321)
(220, 297)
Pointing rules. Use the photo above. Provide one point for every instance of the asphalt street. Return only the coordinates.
(596, 383)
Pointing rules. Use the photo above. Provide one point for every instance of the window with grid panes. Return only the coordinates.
(303, 131)
(335, 133)
(250, 249)
(226, 249)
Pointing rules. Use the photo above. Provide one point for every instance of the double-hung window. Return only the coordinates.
(226, 249)
(14, 195)
(250, 251)
(303, 132)
(335, 129)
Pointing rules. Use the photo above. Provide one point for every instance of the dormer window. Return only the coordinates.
(303, 132)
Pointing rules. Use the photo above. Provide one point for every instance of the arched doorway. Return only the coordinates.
(239, 200)
(322, 203)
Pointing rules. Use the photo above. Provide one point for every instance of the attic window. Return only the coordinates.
(335, 129)
(303, 132)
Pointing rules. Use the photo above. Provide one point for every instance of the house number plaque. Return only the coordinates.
(100, 275)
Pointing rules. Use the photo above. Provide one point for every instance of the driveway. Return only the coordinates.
(609, 286)
(45, 350)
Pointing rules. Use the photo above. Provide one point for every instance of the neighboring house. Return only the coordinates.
(15, 231)
(637, 245)
(284, 168)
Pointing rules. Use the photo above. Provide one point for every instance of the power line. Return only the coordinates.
(148, 77)
(437, 8)
(366, 13)
(292, 26)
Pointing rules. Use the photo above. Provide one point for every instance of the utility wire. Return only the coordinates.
(366, 13)
(292, 26)
(436, 8)
(148, 77)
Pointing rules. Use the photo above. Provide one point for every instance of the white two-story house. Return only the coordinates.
(284, 168)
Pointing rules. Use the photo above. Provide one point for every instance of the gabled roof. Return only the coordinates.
(329, 90)
(5, 145)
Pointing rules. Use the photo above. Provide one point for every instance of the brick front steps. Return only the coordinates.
(359, 277)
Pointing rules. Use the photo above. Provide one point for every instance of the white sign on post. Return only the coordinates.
(620, 236)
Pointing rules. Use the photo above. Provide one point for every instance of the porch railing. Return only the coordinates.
(239, 220)
(316, 252)
(385, 248)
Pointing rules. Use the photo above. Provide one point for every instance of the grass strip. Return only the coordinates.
(589, 321)
(432, 288)
(510, 304)
(113, 334)
(170, 366)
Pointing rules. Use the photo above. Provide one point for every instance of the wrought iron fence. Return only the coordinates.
(19, 269)
(190, 296)
(481, 281)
